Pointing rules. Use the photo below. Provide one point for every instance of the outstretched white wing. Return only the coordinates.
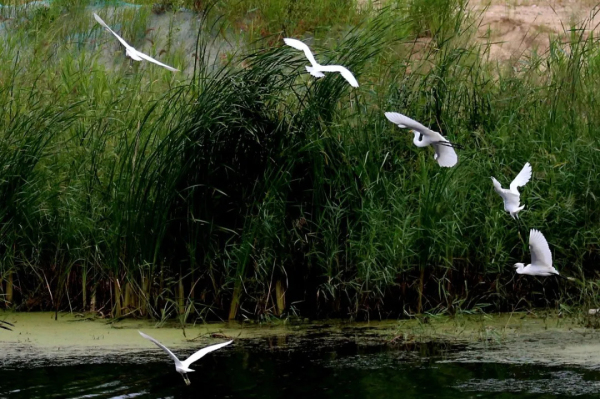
(202, 352)
(407, 123)
(101, 22)
(343, 70)
(522, 178)
(298, 45)
(148, 58)
(540, 251)
(161, 346)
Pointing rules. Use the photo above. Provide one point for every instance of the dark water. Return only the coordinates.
(261, 370)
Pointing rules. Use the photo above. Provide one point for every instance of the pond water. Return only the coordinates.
(266, 369)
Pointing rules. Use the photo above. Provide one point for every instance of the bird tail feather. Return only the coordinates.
(515, 214)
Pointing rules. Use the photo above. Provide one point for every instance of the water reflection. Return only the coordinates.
(309, 370)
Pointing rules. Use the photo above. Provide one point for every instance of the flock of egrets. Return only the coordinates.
(444, 154)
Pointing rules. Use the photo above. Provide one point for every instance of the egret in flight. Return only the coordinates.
(3, 325)
(511, 197)
(183, 367)
(317, 69)
(541, 257)
(444, 150)
(130, 51)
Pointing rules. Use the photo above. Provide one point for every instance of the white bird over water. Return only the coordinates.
(511, 197)
(541, 257)
(183, 367)
(130, 51)
(317, 69)
(444, 151)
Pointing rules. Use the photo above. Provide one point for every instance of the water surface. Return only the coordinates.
(271, 369)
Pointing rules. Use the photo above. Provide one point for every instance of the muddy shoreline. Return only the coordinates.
(518, 338)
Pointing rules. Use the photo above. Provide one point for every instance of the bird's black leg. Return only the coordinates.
(4, 327)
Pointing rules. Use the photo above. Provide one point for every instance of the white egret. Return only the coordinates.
(444, 151)
(541, 257)
(183, 367)
(511, 197)
(130, 51)
(317, 69)
(4, 323)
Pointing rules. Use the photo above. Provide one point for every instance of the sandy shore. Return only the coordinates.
(515, 28)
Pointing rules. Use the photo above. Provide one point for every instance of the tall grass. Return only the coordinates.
(244, 188)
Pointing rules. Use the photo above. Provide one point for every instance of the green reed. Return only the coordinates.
(245, 188)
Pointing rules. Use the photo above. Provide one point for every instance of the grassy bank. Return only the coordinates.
(243, 188)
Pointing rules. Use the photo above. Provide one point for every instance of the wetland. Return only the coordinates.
(520, 355)
(242, 199)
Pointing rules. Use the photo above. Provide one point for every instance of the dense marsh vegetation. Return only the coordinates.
(244, 188)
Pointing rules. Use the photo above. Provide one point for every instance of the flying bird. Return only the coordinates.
(130, 51)
(444, 150)
(541, 257)
(512, 196)
(317, 69)
(4, 323)
(183, 367)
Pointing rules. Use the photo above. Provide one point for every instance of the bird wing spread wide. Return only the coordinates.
(345, 72)
(522, 178)
(101, 22)
(148, 58)
(161, 346)
(298, 45)
(446, 156)
(408, 123)
(540, 251)
(202, 352)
